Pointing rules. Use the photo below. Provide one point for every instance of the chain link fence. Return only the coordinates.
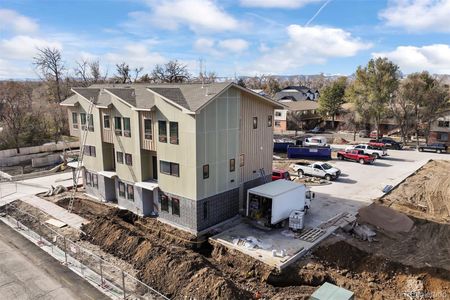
(112, 280)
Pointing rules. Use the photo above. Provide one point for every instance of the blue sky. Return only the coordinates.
(242, 37)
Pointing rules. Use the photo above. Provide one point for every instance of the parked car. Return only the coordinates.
(319, 169)
(389, 143)
(319, 141)
(369, 149)
(373, 135)
(316, 129)
(363, 133)
(278, 174)
(434, 147)
(356, 155)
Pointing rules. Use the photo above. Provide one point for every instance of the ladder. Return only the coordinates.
(263, 174)
(81, 155)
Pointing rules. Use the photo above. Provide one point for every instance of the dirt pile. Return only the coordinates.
(86, 208)
(174, 270)
(385, 218)
(376, 277)
(425, 194)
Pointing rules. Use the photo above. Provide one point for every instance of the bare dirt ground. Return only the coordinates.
(425, 194)
(399, 265)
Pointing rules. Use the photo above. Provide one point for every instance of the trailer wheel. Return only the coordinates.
(361, 161)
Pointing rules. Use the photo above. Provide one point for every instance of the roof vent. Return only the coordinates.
(133, 94)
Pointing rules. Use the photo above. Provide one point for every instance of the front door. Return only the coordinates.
(155, 167)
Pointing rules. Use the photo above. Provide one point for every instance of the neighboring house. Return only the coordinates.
(297, 93)
(184, 152)
(297, 115)
(440, 130)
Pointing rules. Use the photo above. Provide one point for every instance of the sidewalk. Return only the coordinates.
(57, 212)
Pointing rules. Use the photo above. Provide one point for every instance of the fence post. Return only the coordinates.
(65, 251)
(123, 285)
(101, 273)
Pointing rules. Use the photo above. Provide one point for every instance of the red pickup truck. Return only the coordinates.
(356, 155)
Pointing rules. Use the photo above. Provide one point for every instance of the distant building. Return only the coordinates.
(302, 114)
(440, 129)
(297, 93)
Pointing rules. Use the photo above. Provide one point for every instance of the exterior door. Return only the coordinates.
(155, 167)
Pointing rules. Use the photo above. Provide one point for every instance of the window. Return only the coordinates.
(83, 120)
(277, 124)
(90, 122)
(164, 203)
(205, 210)
(169, 168)
(205, 171)
(128, 159)
(442, 137)
(269, 121)
(121, 189)
(162, 127)
(118, 125)
(277, 113)
(148, 129)
(89, 151)
(241, 160)
(175, 206)
(119, 157)
(126, 127)
(173, 126)
(88, 178)
(232, 165)
(255, 122)
(130, 192)
(106, 122)
(74, 120)
(443, 123)
(95, 180)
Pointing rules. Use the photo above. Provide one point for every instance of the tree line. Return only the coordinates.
(378, 92)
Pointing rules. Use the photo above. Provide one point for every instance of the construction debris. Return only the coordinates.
(55, 190)
(363, 232)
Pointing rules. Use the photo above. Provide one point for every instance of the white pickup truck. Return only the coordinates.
(318, 169)
(368, 149)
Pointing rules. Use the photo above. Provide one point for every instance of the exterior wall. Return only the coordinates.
(184, 153)
(105, 191)
(220, 207)
(217, 133)
(125, 203)
(125, 144)
(255, 144)
(439, 137)
(281, 128)
(440, 130)
(73, 131)
(107, 133)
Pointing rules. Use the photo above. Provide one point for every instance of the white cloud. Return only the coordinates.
(222, 47)
(433, 58)
(234, 45)
(136, 55)
(277, 3)
(24, 47)
(422, 15)
(309, 45)
(11, 20)
(198, 15)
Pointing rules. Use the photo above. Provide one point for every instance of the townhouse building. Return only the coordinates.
(186, 153)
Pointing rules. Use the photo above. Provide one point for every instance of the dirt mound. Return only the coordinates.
(176, 271)
(86, 208)
(385, 218)
(340, 141)
(384, 279)
(425, 194)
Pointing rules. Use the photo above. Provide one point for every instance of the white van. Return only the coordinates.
(319, 141)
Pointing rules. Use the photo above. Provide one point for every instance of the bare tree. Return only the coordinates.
(137, 71)
(15, 110)
(123, 73)
(96, 74)
(51, 67)
(82, 72)
(171, 72)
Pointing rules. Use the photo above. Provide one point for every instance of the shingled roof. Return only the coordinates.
(191, 97)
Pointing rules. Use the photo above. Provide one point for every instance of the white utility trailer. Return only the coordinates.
(271, 203)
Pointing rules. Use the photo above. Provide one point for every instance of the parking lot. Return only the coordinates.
(360, 184)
